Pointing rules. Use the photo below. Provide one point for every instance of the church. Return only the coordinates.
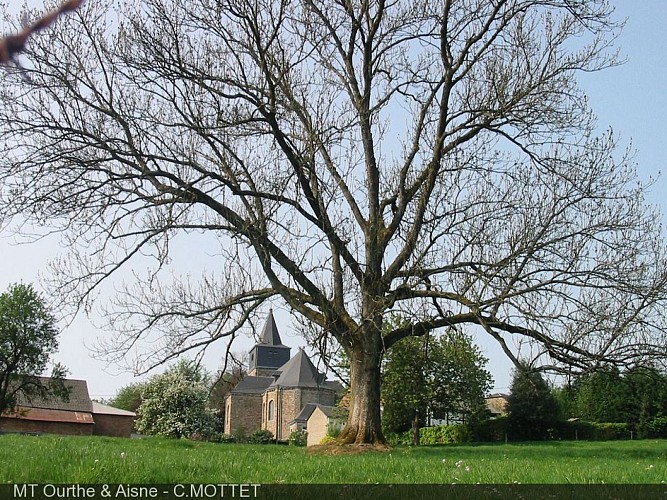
(279, 392)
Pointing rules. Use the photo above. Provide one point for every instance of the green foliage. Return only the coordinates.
(440, 434)
(532, 409)
(261, 436)
(239, 434)
(175, 404)
(334, 429)
(128, 397)
(592, 431)
(490, 430)
(606, 431)
(328, 440)
(405, 391)
(445, 434)
(636, 397)
(458, 378)
(337, 421)
(433, 376)
(657, 428)
(220, 437)
(28, 338)
(603, 396)
(298, 438)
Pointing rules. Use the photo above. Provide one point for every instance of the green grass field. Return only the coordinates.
(54, 459)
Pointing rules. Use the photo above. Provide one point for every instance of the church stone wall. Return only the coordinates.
(288, 403)
(243, 412)
(270, 398)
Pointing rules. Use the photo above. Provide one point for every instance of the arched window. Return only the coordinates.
(271, 410)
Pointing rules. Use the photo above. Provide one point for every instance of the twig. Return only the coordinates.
(12, 45)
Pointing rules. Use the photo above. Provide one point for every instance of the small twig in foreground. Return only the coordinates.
(12, 45)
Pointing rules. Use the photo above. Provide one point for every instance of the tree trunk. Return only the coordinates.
(363, 423)
(415, 430)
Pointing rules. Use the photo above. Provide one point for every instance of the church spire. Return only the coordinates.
(270, 335)
(269, 353)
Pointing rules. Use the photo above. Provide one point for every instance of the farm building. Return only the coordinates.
(276, 389)
(110, 421)
(77, 415)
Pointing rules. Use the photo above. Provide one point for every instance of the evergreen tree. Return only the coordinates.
(532, 408)
(603, 396)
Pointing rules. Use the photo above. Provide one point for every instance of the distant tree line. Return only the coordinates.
(604, 403)
(600, 405)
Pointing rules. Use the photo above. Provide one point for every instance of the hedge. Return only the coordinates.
(592, 431)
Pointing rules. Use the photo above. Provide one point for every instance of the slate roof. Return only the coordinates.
(270, 335)
(252, 385)
(79, 399)
(305, 413)
(299, 372)
(327, 410)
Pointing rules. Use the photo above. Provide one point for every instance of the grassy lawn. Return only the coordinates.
(54, 459)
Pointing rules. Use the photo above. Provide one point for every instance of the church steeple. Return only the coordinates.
(269, 353)
(270, 335)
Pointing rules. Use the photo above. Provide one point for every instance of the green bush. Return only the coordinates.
(328, 440)
(657, 428)
(261, 436)
(492, 430)
(239, 434)
(221, 438)
(334, 430)
(398, 438)
(298, 438)
(608, 431)
(443, 434)
(574, 430)
(592, 431)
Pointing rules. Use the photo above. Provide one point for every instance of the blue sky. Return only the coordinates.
(632, 99)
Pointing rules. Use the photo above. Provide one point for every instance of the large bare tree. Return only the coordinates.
(353, 159)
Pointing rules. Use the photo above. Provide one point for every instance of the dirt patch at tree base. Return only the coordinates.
(345, 449)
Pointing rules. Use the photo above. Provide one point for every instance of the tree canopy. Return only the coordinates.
(352, 160)
(440, 376)
(28, 339)
(175, 403)
(634, 396)
(532, 409)
(129, 397)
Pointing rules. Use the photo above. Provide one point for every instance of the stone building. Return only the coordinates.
(276, 388)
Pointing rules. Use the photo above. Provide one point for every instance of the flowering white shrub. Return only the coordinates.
(175, 404)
